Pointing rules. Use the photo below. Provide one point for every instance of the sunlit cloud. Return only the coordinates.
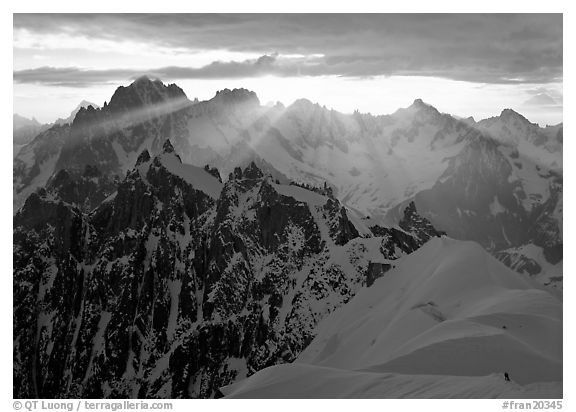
(108, 53)
(463, 64)
(272, 64)
(475, 48)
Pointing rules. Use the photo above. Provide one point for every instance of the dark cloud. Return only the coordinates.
(72, 76)
(498, 48)
(69, 76)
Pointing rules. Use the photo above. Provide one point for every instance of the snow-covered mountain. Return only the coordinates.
(168, 248)
(497, 181)
(449, 320)
(368, 160)
(110, 138)
(501, 194)
(542, 145)
(176, 283)
(23, 131)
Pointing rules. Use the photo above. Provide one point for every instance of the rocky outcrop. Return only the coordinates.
(86, 189)
(376, 270)
(165, 291)
(419, 226)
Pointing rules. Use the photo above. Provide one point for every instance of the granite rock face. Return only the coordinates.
(165, 289)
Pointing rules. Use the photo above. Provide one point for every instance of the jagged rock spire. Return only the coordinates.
(144, 92)
(413, 222)
(236, 96)
(252, 172)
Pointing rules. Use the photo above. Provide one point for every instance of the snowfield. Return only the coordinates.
(196, 176)
(448, 309)
(317, 382)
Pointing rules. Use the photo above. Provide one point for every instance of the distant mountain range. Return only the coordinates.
(497, 181)
(24, 129)
(168, 248)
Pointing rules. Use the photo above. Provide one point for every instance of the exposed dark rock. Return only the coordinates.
(143, 157)
(252, 172)
(167, 147)
(421, 227)
(236, 97)
(519, 263)
(375, 271)
(85, 190)
(163, 291)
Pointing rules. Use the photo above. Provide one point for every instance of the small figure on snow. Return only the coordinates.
(506, 377)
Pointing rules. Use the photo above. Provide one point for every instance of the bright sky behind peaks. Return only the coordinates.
(466, 65)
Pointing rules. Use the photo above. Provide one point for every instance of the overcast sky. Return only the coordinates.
(462, 64)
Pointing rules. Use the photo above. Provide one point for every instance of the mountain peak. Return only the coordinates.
(420, 104)
(86, 103)
(252, 172)
(144, 91)
(512, 114)
(20, 121)
(83, 115)
(418, 107)
(236, 96)
(82, 106)
(145, 79)
(303, 104)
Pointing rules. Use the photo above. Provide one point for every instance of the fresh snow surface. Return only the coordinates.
(301, 194)
(126, 160)
(448, 309)
(317, 382)
(372, 162)
(315, 199)
(40, 180)
(196, 176)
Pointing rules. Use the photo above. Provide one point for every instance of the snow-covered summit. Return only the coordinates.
(448, 309)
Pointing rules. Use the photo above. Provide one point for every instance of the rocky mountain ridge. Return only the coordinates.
(177, 284)
(471, 179)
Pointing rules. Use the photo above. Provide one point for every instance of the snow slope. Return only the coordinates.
(448, 309)
(196, 176)
(373, 162)
(317, 382)
(542, 145)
